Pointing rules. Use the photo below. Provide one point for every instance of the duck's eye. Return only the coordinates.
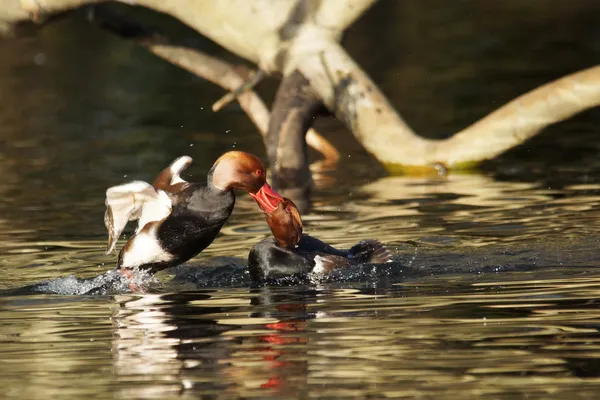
(258, 172)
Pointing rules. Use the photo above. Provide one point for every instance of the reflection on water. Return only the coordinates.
(456, 338)
(493, 290)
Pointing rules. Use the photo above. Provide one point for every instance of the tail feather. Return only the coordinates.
(369, 251)
(170, 176)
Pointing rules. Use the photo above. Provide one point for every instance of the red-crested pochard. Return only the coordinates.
(179, 219)
(293, 254)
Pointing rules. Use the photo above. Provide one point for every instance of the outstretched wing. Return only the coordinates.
(131, 201)
(170, 176)
(140, 200)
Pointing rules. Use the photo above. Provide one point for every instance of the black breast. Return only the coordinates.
(196, 218)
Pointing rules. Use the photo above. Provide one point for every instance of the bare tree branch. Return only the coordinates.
(217, 71)
(294, 110)
(231, 96)
(35, 10)
(287, 35)
(346, 89)
(522, 118)
(227, 76)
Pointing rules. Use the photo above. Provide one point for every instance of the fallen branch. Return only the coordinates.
(293, 36)
(217, 71)
(231, 96)
(224, 74)
(294, 110)
(522, 118)
(287, 35)
(356, 100)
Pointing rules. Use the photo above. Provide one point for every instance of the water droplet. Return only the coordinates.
(39, 59)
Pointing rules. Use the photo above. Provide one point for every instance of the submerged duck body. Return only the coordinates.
(293, 254)
(179, 219)
(311, 257)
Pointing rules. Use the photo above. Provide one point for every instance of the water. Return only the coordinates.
(493, 290)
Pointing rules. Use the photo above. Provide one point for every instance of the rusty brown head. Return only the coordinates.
(285, 223)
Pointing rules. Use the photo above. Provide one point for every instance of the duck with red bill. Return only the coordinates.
(179, 219)
(292, 256)
(267, 198)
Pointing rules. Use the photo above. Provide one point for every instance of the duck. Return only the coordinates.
(179, 219)
(293, 256)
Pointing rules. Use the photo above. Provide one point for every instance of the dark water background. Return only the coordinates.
(494, 289)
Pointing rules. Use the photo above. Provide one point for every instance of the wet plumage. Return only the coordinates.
(178, 219)
(292, 254)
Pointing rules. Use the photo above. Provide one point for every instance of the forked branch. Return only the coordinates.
(221, 73)
(284, 36)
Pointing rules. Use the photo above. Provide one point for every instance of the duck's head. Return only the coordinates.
(244, 171)
(285, 223)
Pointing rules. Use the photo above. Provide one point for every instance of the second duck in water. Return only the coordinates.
(291, 254)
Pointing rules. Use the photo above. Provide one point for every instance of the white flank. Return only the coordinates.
(318, 273)
(319, 268)
(144, 249)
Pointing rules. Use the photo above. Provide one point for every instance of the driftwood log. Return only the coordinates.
(299, 39)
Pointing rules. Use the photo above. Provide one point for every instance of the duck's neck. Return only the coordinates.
(214, 180)
(212, 202)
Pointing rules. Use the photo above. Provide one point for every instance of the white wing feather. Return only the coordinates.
(131, 201)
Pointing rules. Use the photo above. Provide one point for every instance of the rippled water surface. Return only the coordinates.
(493, 291)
